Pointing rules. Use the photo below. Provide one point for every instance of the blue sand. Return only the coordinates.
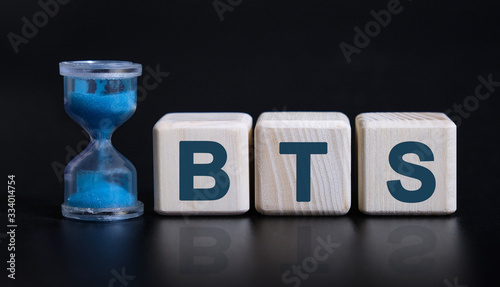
(102, 195)
(100, 105)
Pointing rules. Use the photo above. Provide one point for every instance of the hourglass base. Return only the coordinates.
(103, 214)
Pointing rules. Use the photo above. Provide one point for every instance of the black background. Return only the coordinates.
(263, 56)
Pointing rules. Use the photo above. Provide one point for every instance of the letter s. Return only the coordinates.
(425, 176)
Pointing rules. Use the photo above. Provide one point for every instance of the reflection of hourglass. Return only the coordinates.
(100, 183)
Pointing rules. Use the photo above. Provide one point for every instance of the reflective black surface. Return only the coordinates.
(249, 250)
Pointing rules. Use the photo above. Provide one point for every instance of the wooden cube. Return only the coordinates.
(303, 163)
(406, 163)
(201, 163)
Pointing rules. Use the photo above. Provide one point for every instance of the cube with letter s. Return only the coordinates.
(406, 163)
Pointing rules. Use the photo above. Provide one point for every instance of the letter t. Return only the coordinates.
(303, 150)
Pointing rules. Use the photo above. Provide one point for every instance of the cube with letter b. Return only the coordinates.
(201, 163)
(303, 163)
(406, 163)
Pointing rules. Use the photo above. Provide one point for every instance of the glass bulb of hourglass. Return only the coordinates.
(100, 183)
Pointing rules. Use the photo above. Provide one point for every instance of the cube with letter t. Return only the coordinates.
(201, 163)
(406, 163)
(303, 163)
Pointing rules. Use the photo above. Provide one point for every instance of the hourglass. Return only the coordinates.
(100, 184)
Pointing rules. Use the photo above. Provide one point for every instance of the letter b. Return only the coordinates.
(187, 170)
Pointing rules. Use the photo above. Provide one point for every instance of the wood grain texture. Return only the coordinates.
(275, 173)
(377, 134)
(232, 131)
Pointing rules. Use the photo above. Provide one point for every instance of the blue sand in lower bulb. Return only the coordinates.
(102, 195)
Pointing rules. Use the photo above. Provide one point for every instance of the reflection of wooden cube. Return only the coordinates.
(399, 248)
(303, 163)
(201, 163)
(406, 163)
